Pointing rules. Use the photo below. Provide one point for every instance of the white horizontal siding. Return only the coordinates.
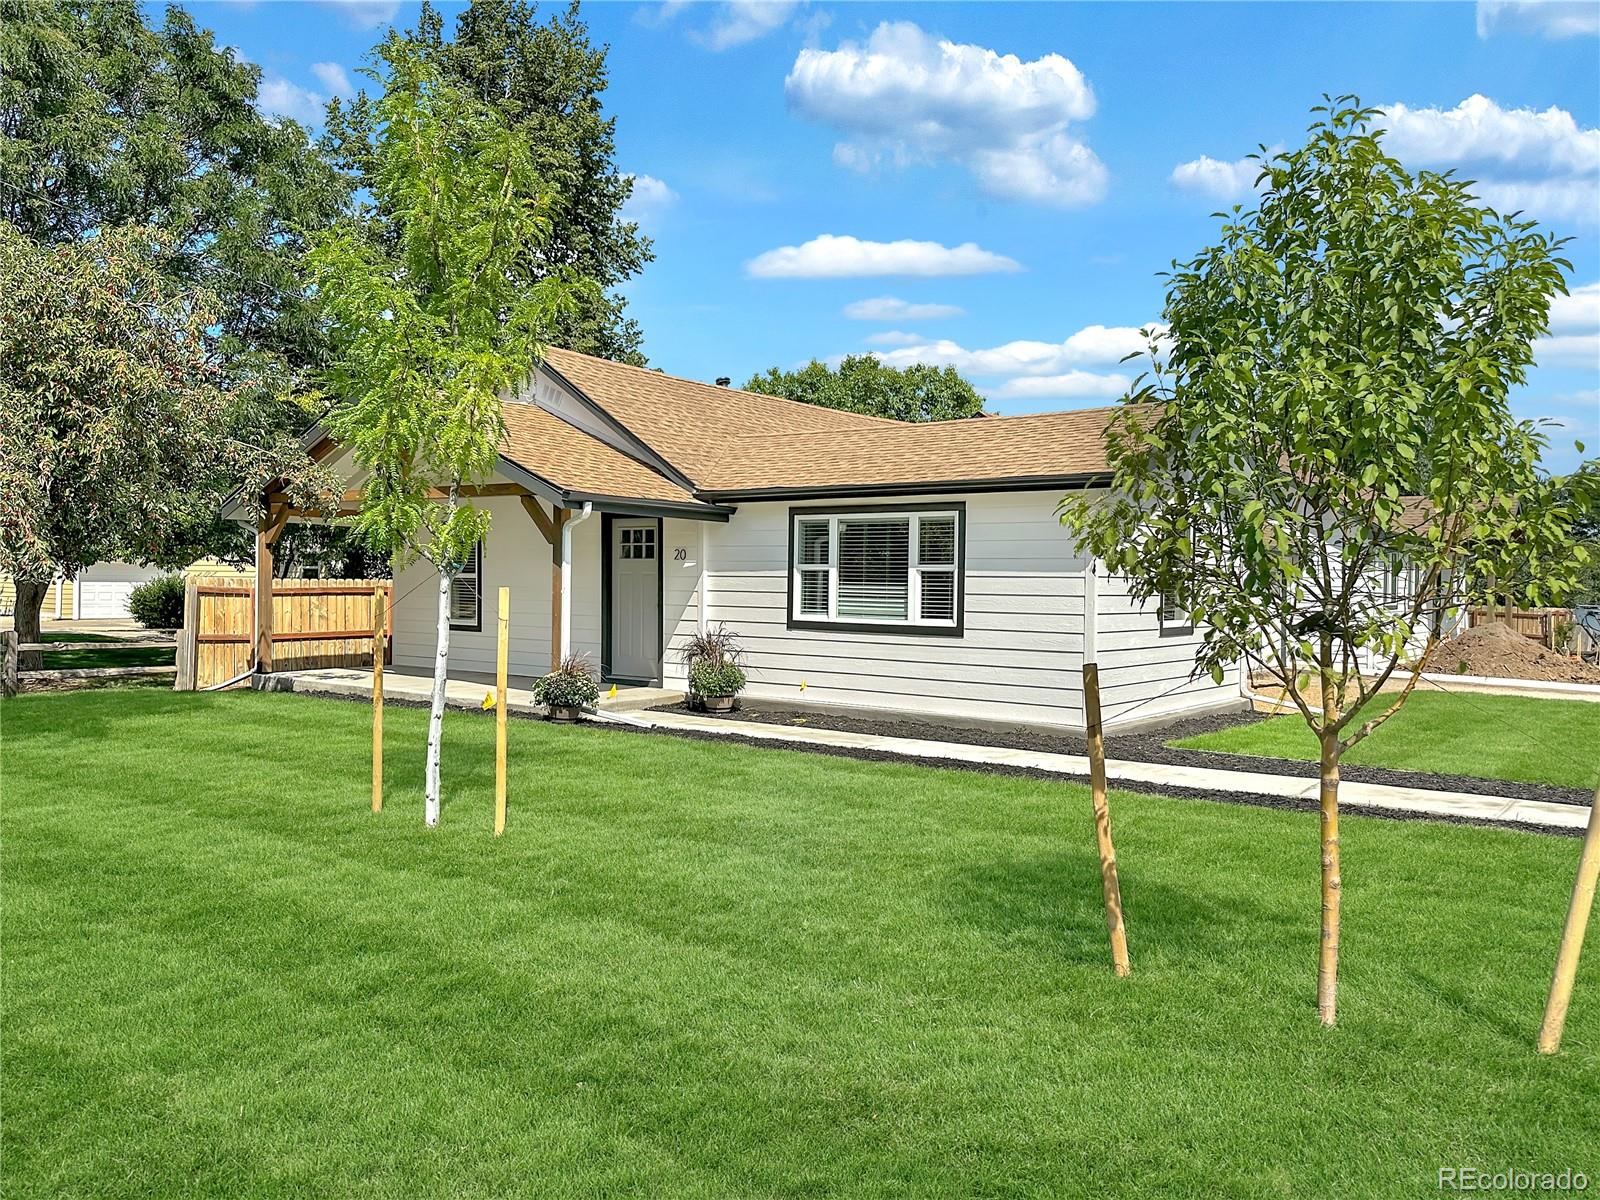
(1146, 671)
(515, 555)
(1018, 657)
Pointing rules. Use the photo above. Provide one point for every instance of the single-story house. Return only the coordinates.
(863, 562)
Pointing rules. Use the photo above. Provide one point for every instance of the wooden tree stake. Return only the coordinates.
(379, 621)
(1555, 1008)
(1102, 820)
(500, 712)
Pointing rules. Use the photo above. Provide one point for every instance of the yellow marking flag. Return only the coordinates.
(488, 700)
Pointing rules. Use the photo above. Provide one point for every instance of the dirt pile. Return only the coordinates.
(1495, 650)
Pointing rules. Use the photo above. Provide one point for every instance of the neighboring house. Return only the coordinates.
(101, 591)
(918, 568)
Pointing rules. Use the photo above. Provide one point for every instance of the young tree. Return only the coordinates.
(1332, 410)
(863, 384)
(435, 314)
(112, 411)
(548, 80)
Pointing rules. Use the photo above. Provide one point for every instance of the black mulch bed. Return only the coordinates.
(1150, 747)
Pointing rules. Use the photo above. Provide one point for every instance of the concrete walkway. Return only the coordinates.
(1378, 797)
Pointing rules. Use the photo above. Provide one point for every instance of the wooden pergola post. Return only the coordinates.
(550, 525)
(274, 516)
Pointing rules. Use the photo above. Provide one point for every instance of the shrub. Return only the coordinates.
(715, 679)
(571, 685)
(158, 604)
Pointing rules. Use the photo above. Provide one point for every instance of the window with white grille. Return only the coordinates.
(892, 569)
(465, 589)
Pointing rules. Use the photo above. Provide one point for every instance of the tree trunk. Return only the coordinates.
(1328, 961)
(436, 706)
(30, 599)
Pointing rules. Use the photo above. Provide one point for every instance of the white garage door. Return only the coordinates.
(104, 588)
(104, 598)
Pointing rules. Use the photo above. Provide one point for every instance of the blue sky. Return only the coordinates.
(997, 185)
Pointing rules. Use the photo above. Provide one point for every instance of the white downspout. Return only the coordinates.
(701, 617)
(566, 577)
(1091, 609)
(61, 584)
(77, 595)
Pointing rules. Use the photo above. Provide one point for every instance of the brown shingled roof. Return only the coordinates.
(688, 423)
(1045, 446)
(574, 461)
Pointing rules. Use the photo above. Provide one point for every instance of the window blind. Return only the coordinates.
(873, 559)
(464, 591)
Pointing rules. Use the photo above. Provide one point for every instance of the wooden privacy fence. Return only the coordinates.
(315, 623)
(1543, 625)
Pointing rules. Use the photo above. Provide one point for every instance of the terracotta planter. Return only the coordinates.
(718, 704)
(563, 715)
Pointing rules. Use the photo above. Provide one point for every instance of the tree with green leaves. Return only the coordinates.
(435, 314)
(1330, 408)
(113, 411)
(864, 384)
(108, 122)
(547, 80)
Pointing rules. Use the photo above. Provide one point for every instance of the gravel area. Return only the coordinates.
(1151, 747)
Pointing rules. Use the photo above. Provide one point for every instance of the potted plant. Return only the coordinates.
(568, 689)
(715, 677)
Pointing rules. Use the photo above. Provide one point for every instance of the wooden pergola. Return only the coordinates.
(550, 507)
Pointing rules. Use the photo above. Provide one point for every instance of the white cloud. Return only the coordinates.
(1479, 130)
(893, 337)
(905, 97)
(741, 21)
(1547, 18)
(365, 14)
(1220, 180)
(1093, 345)
(278, 97)
(1539, 162)
(1072, 385)
(890, 308)
(649, 199)
(1579, 309)
(831, 256)
(1568, 350)
(332, 76)
(1558, 200)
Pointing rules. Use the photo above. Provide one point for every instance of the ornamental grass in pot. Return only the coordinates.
(567, 690)
(715, 676)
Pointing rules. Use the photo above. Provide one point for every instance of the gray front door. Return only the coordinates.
(635, 624)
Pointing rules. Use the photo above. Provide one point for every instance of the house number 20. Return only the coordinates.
(680, 554)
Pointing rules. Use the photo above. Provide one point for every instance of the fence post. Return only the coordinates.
(379, 620)
(188, 639)
(8, 670)
(500, 712)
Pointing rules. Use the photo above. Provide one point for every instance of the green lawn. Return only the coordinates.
(142, 656)
(1492, 737)
(705, 970)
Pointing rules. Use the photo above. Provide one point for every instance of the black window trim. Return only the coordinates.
(899, 628)
(476, 624)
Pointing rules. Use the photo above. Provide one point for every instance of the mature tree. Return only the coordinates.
(863, 384)
(113, 411)
(1333, 409)
(104, 122)
(435, 315)
(547, 80)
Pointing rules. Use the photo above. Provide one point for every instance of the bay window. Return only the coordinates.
(895, 569)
